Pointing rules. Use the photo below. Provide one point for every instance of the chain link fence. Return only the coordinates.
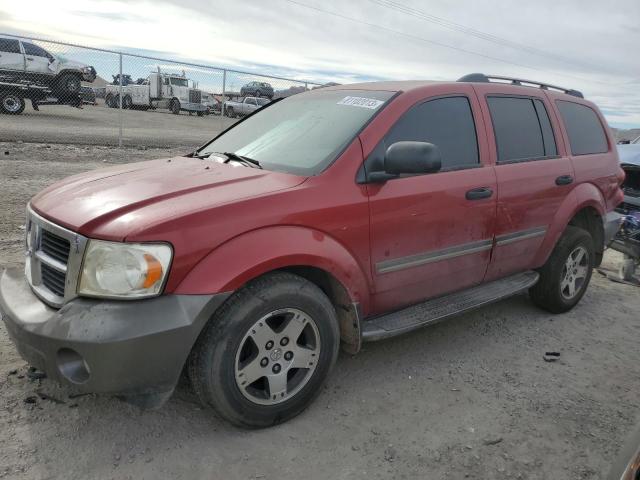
(57, 92)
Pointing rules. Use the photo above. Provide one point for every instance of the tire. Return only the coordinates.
(230, 112)
(201, 114)
(127, 102)
(68, 84)
(109, 101)
(570, 264)
(174, 106)
(250, 329)
(11, 103)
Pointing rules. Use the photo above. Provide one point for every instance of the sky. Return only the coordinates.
(591, 46)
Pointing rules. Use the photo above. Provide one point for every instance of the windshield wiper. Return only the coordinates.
(242, 159)
(231, 156)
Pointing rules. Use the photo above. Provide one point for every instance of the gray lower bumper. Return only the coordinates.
(193, 107)
(119, 347)
(612, 222)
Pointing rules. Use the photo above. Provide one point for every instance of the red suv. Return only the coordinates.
(341, 215)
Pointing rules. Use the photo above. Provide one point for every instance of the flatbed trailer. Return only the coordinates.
(15, 91)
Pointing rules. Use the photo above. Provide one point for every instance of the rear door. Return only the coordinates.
(429, 234)
(534, 173)
(11, 57)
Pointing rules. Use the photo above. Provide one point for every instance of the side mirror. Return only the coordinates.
(408, 158)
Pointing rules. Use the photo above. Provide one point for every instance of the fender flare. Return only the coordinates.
(245, 257)
(583, 196)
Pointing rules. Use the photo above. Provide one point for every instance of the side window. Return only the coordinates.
(522, 128)
(445, 122)
(9, 46)
(35, 50)
(585, 131)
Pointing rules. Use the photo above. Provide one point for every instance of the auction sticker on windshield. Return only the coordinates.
(363, 102)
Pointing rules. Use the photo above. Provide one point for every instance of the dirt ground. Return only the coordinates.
(468, 398)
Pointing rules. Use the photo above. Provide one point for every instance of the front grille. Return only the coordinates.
(53, 279)
(195, 96)
(53, 261)
(55, 246)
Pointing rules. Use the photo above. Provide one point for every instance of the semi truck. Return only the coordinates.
(159, 90)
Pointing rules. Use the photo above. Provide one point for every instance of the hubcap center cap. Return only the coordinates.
(276, 354)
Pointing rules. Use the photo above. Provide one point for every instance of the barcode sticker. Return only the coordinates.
(363, 102)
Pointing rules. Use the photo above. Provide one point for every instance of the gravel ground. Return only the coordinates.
(468, 398)
(98, 125)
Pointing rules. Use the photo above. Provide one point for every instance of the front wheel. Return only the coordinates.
(174, 106)
(68, 84)
(266, 353)
(566, 275)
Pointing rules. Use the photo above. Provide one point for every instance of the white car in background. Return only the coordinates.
(630, 162)
(22, 61)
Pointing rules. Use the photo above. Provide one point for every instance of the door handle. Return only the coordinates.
(479, 193)
(30, 59)
(564, 180)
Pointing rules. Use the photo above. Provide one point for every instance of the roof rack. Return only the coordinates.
(482, 78)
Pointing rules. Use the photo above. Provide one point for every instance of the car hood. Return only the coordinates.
(112, 203)
(629, 154)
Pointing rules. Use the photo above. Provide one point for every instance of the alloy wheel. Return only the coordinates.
(277, 356)
(574, 273)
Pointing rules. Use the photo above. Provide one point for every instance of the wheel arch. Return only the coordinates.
(583, 208)
(302, 251)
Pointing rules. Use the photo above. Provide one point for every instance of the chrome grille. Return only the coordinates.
(55, 246)
(53, 259)
(195, 96)
(53, 279)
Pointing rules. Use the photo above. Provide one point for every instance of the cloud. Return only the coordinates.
(590, 46)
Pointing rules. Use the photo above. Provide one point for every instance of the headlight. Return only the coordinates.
(124, 270)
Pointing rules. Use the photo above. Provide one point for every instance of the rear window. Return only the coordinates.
(10, 46)
(522, 129)
(585, 131)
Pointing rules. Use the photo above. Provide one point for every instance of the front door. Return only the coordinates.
(37, 59)
(432, 234)
(11, 57)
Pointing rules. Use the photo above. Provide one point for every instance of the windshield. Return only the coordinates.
(304, 133)
(179, 82)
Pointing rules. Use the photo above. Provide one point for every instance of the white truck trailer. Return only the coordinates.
(159, 90)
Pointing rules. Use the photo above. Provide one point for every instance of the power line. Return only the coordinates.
(443, 22)
(435, 42)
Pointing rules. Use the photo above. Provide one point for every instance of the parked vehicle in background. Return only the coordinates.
(22, 61)
(243, 107)
(333, 217)
(257, 89)
(159, 90)
(88, 95)
(212, 103)
(630, 162)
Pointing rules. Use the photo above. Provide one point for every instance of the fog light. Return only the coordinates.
(72, 366)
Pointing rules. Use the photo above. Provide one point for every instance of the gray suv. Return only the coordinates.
(257, 89)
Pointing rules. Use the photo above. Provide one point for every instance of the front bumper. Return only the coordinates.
(193, 107)
(126, 348)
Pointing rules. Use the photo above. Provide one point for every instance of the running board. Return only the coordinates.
(432, 311)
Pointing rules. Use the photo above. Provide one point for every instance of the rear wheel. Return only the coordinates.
(265, 354)
(566, 275)
(11, 103)
(230, 112)
(127, 102)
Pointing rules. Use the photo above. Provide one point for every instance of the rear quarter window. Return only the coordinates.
(9, 45)
(585, 131)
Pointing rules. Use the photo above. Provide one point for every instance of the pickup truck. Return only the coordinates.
(243, 107)
(338, 216)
